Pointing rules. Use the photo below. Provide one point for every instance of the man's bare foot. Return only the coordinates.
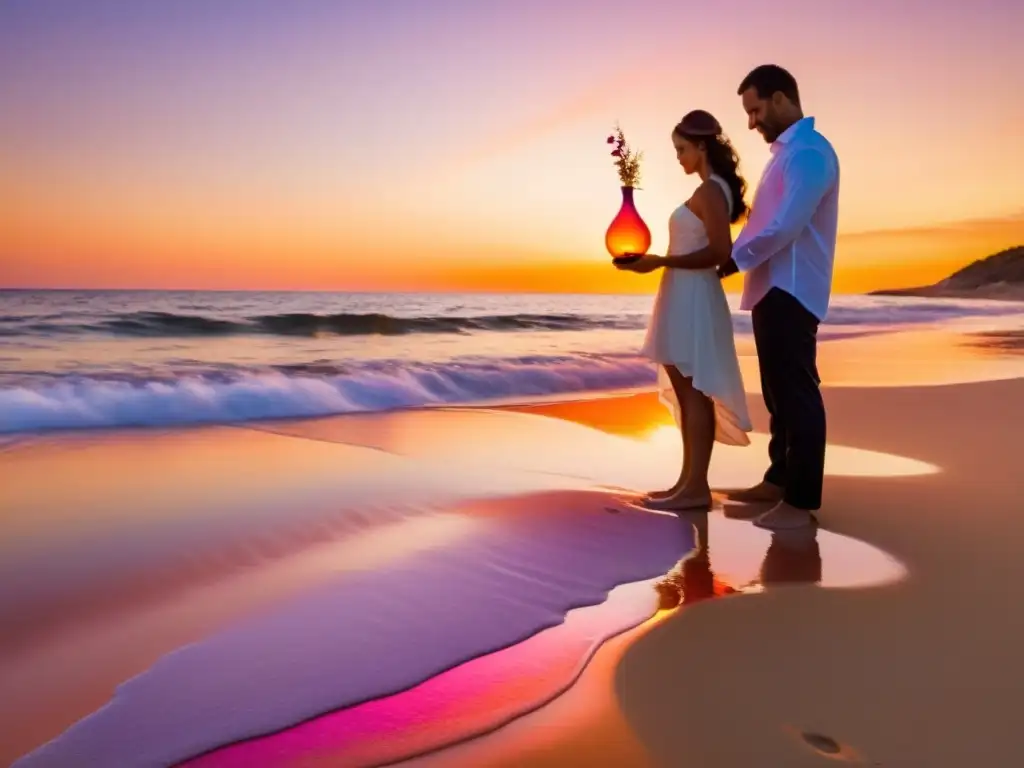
(786, 517)
(684, 499)
(761, 493)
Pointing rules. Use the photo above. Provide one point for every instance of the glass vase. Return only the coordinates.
(627, 233)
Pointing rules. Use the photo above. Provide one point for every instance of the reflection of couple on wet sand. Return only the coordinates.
(786, 251)
(793, 557)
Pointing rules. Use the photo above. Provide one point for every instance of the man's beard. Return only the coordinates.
(770, 133)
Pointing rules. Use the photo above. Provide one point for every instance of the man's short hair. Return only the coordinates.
(769, 79)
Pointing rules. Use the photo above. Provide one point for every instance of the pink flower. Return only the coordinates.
(611, 139)
(617, 153)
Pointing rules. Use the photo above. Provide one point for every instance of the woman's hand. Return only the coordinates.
(646, 263)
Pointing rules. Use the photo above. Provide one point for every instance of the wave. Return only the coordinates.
(73, 402)
(845, 311)
(171, 324)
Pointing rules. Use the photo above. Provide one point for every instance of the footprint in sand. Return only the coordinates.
(824, 744)
(830, 748)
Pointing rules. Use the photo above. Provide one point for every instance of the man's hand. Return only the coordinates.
(727, 269)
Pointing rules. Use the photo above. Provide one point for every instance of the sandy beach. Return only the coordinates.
(332, 418)
(900, 647)
(920, 672)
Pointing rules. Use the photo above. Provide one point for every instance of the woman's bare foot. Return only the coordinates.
(666, 493)
(683, 499)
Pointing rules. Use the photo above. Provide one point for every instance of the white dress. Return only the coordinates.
(691, 328)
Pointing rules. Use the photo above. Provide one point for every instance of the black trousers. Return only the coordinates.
(786, 337)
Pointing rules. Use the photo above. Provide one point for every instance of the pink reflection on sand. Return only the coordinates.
(533, 444)
(474, 698)
(488, 692)
(373, 634)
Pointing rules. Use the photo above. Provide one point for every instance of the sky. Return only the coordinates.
(460, 144)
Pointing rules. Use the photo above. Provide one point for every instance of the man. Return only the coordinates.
(787, 250)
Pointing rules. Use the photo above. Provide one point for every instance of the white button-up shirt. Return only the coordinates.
(789, 241)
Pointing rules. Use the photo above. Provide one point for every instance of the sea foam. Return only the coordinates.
(92, 402)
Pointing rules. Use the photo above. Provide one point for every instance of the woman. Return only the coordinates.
(690, 335)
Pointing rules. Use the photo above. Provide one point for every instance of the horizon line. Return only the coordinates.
(67, 289)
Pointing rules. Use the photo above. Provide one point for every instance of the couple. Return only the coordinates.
(786, 250)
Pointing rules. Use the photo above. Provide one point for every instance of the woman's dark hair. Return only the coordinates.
(700, 127)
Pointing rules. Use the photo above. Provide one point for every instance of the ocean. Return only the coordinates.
(270, 593)
(95, 359)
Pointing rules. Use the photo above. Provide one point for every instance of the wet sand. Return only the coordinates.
(920, 672)
(924, 672)
(196, 513)
(916, 671)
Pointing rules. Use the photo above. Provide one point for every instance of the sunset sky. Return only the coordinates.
(459, 144)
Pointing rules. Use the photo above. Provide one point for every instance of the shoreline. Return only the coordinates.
(1002, 363)
(962, 517)
(80, 665)
(217, 403)
(923, 518)
(847, 665)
